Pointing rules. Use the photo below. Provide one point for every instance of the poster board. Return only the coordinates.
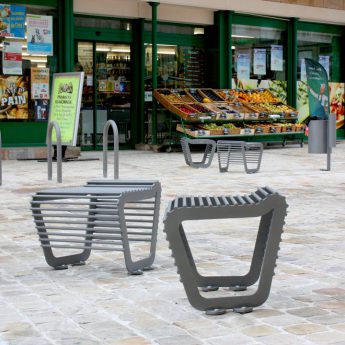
(39, 83)
(13, 97)
(65, 103)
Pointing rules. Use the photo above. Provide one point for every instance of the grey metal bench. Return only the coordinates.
(264, 203)
(239, 152)
(210, 148)
(103, 215)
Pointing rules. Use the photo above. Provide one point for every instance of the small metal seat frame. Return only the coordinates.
(210, 149)
(239, 152)
(103, 215)
(266, 203)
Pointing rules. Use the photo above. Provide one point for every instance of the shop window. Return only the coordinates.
(326, 49)
(259, 58)
(26, 65)
(178, 66)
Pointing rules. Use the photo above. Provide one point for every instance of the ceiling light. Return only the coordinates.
(199, 31)
(241, 36)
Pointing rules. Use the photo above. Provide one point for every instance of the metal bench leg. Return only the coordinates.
(145, 264)
(221, 155)
(272, 210)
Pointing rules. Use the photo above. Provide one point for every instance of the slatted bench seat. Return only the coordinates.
(209, 150)
(264, 203)
(97, 216)
(239, 152)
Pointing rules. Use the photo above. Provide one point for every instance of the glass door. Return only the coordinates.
(106, 93)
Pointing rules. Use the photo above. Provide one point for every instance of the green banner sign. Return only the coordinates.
(318, 92)
(65, 105)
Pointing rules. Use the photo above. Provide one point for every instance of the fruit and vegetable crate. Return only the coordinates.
(183, 110)
(166, 97)
(192, 131)
(210, 95)
(299, 127)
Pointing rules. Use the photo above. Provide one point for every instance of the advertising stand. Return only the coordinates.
(322, 126)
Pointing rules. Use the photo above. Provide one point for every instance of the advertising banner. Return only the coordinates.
(13, 97)
(259, 61)
(40, 34)
(12, 58)
(40, 83)
(12, 21)
(277, 58)
(318, 93)
(65, 103)
(243, 66)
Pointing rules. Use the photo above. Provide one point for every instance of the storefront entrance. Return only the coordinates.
(106, 92)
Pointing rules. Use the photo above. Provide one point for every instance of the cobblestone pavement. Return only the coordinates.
(100, 304)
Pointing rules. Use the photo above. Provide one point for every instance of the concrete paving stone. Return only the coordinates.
(329, 338)
(305, 328)
(179, 340)
(309, 274)
(307, 312)
(284, 339)
(14, 330)
(259, 331)
(129, 341)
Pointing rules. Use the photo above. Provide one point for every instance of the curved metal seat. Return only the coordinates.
(210, 148)
(239, 152)
(103, 215)
(266, 203)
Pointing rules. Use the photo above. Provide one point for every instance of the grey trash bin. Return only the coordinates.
(319, 132)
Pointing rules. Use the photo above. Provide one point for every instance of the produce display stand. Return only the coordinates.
(228, 114)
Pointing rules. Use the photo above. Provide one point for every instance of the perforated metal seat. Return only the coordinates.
(210, 148)
(103, 215)
(239, 152)
(264, 203)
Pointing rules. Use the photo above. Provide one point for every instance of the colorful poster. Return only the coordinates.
(65, 105)
(40, 34)
(40, 83)
(277, 58)
(12, 58)
(41, 107)
(12, 21)
(243, 66)
(13, 97)
(318, 92)
(324, 62)
(259, 61)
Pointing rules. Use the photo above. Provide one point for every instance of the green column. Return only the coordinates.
(223, 28)
(154, 6)
(66, 36)
(292, 61)
(137, 94)
(228, 37)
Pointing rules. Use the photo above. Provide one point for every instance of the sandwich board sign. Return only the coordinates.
(65, 105)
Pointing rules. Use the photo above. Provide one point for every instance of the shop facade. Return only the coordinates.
(128, 48)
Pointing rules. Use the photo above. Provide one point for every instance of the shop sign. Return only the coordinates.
(243, 66)
(318, 93)
(12, 21)
(13, 97)
(12, 58)
(276, 58)
(65, 103)
(40, 83)
(40, 34)
(259, 61)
